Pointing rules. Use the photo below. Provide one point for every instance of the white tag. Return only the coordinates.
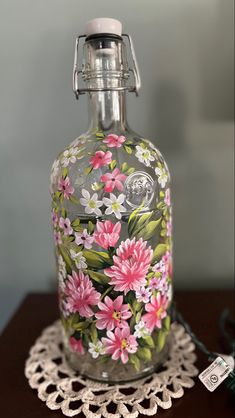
(215, 374)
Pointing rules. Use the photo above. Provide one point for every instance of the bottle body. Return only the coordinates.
(112, 221)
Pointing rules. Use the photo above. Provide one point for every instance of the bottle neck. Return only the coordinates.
(107, 110)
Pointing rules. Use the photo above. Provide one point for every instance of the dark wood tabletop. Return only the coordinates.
(200, 308)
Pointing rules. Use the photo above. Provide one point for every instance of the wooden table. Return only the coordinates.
(201, 309)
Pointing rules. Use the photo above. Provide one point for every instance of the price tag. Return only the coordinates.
(215, 374)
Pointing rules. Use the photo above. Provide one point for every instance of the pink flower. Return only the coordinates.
(112, 313)
(107, 234)
(156, 311)
(65, 187)
(169, 228)
(167, 198)
(54, 218)
(76, 345)
(113, 180)
(130, 266)
(113, 140)
(65, 224)
(101, 158)
(80, 294)
(57, 238)
(120, 344)
(143, 295)
(159, 283)
(84, 238)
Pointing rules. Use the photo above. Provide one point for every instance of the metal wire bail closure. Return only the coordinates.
(134, 70)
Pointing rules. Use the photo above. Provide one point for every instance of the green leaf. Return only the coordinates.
(141, 223)
(130, 171)
(113, 164)
(97, 186)
(80, 326)
(97, 259)
(73, 199)
(148, 340)
(160, 249)
(88, 170)
(133, 359)
(93, 332)
(63, 213)
(76, 225)
(66, 257)
(136, 306)
(90, 227)
(98, 277)
(144, 353)
(149, 230)
(128, 149)
(167, 323)
(99, 135)
(160, 340)
(124, 167)
(64, 172)
(133, 219)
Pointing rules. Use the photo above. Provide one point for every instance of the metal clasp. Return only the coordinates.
(135, 71)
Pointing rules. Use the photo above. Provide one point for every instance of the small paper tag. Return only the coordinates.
(215, 374)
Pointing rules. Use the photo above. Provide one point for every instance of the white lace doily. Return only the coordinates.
(61, 387)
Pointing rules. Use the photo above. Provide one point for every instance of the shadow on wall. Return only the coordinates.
(192, 187)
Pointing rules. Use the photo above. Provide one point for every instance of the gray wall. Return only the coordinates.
(184, 49)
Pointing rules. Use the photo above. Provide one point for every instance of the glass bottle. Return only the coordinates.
(111, 215)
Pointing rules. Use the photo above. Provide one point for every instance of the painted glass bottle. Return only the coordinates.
(111, 215)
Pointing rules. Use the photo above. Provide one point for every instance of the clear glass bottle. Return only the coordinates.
(111, 215)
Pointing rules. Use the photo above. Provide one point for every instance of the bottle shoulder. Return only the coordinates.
(111, 165)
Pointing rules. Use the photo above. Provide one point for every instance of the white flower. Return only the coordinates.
(143, 295)
(61, 272)
(162, 176)
(70, 156)
(79, 260)
(114, 205)
(54, 171)
(95, 349)
(141, 330)
(91, 203)
(144, 155)
(78, 141)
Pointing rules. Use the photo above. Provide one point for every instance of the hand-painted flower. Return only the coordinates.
(159, 284)
(114, 205)
(113, 180)
(143, 294)
(162, 176)
(62, 273)
(76, 345)
(65, 224)
(130, 266)
(91, 203)
(112, 313)
(54, 171)
(54, 218)
(167, 198)
(156, 311)
(57, 238)
(114, 141)
(169, 228)
(83, 238)
(101, 158)
(107, 234)
(120, 344)
(80, 294)
(80, 261)
(141, 330)
(144, 155)
(65, 187)
(161, 266)
(97, 348)
(71, 155)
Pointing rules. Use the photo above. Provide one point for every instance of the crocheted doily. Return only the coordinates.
(61, 387)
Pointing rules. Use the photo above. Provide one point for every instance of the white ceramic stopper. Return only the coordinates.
(103, 25)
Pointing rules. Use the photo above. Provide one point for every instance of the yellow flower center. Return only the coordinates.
(116, 315)
(123, 344)
(159, 312)
(92, 204)
(115, 206)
